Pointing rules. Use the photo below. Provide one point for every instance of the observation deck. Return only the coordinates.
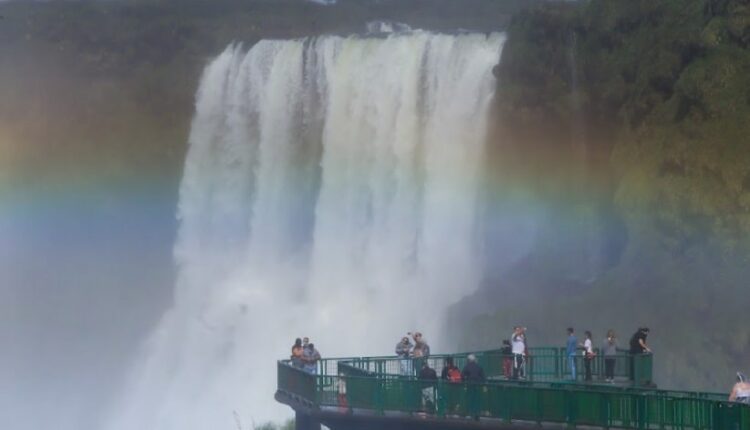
(384, 392)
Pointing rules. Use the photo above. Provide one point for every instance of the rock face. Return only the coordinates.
(624, 127)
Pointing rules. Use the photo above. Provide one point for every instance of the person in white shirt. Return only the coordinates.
(588, 355)
(518, 345)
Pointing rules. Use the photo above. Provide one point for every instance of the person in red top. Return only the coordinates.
(297, 353)
(450, 372)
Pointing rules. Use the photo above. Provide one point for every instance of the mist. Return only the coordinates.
(602, 203)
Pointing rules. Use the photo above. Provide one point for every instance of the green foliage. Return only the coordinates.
(287, 425)
(669, 80)
(107, 88)
(661, 89)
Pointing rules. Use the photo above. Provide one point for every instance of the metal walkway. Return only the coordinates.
(383, 392)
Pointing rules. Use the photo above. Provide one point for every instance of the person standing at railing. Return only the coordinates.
(507, 352)
(638, 341)
(428, 376)
(610, 355)
(741, 390)
(518, 346)
(310, 358)
(638, 346)
(421, 348)
(450, 372)
(403, 351)
(570, 349)
(588, 355)
(297, 352)
(472, 372)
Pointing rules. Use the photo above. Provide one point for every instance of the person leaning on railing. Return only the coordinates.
(638, 346)
(403, 351)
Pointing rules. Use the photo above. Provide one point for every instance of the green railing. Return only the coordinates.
(542, 364)
(376, 385)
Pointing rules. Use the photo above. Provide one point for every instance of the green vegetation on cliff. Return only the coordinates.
(637, 112)
(104, 90)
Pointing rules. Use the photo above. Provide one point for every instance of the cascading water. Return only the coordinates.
(330, 190)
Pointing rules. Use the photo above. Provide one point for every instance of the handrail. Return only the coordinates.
(378, 384)
(541, 364)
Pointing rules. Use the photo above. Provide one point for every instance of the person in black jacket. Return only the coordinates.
(427, 373)
(472, 372)
(429, 377)
(637, 347)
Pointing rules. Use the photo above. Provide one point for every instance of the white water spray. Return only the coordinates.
(330, 190)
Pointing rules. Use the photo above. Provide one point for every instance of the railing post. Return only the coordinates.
(570, 408)
(606, 410)
(641, 411)
(379, 397)
(440, 398)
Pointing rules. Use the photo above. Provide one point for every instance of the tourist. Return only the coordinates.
(588, 355)
(610, 355)
(427, 373)
(421, 348)
(429, 376)
(518, 347)
(741, 390)
(305, 342)
(452, 393)
(450, 372)
(507, 352)
(472, 372)
(638, 346)
(297, 351)
(403, 351)
(571, 348)
(310, 357)
(638, 342)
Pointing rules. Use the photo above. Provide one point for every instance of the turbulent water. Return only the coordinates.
(331, 191)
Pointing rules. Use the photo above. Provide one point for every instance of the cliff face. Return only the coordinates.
(96, 100)
(626, 125)
(94, 84)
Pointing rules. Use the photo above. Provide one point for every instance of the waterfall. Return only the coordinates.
(330, 190)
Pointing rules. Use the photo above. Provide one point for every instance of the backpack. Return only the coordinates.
(454, 375)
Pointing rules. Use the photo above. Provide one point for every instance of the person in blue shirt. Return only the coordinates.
(571, 348)
(310, 358)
